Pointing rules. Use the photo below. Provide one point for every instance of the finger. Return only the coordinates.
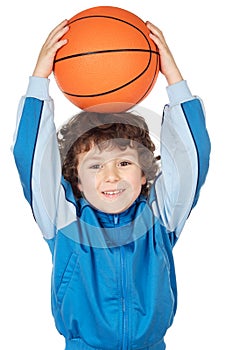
(59, 44)
(56, 41)
(152, 27)
(156, 31)
(57, 29)
(56, 38)
(56, 34)
(157, 41)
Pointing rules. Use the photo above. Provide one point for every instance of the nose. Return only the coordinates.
(111, 173)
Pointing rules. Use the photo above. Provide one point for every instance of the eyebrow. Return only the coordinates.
(121, 154)
(94, 158)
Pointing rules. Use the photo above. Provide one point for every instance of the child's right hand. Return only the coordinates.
(44, 65)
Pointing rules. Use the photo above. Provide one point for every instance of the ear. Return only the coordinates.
(143, 180)
(80, 186)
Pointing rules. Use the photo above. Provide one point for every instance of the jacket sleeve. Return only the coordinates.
(185, 150)
(37, 158)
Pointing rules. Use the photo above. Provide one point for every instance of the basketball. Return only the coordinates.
(110, 63)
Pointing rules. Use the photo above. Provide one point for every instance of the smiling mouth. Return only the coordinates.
(112, 194)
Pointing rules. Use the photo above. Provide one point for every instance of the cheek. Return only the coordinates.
(87, 182)
(137, 180)
(139, 177)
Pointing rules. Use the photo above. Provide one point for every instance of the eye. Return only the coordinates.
(124, 163)
(96, 166)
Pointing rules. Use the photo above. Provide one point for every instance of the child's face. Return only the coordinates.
(110, 179)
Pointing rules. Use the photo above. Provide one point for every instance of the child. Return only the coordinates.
(110, 231)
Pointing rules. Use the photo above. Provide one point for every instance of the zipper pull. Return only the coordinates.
(116, 218)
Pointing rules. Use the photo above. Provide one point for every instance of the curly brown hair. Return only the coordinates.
(120, 130)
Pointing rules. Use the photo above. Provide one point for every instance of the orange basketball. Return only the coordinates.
(109, 63)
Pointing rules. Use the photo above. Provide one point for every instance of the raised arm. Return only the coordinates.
(185, 147)
(35, 147)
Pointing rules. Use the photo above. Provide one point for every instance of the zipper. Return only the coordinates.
(115, 219)
(125, 328)
(124, 304)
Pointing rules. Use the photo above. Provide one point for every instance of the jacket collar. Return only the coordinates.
(113, 220)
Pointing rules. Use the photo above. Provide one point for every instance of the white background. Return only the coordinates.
(199, 35)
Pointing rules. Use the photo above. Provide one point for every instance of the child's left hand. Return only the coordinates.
(168, 65)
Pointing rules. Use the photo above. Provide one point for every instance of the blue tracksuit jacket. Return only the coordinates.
(113, 280)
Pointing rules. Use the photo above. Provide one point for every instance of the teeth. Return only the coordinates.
(112, 192)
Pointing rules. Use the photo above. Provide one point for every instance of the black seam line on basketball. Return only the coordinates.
(142, 97)
(113, 90)
(104, 51)
(110, 91)
(156, 72)
(117, 19)
(150, 51)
